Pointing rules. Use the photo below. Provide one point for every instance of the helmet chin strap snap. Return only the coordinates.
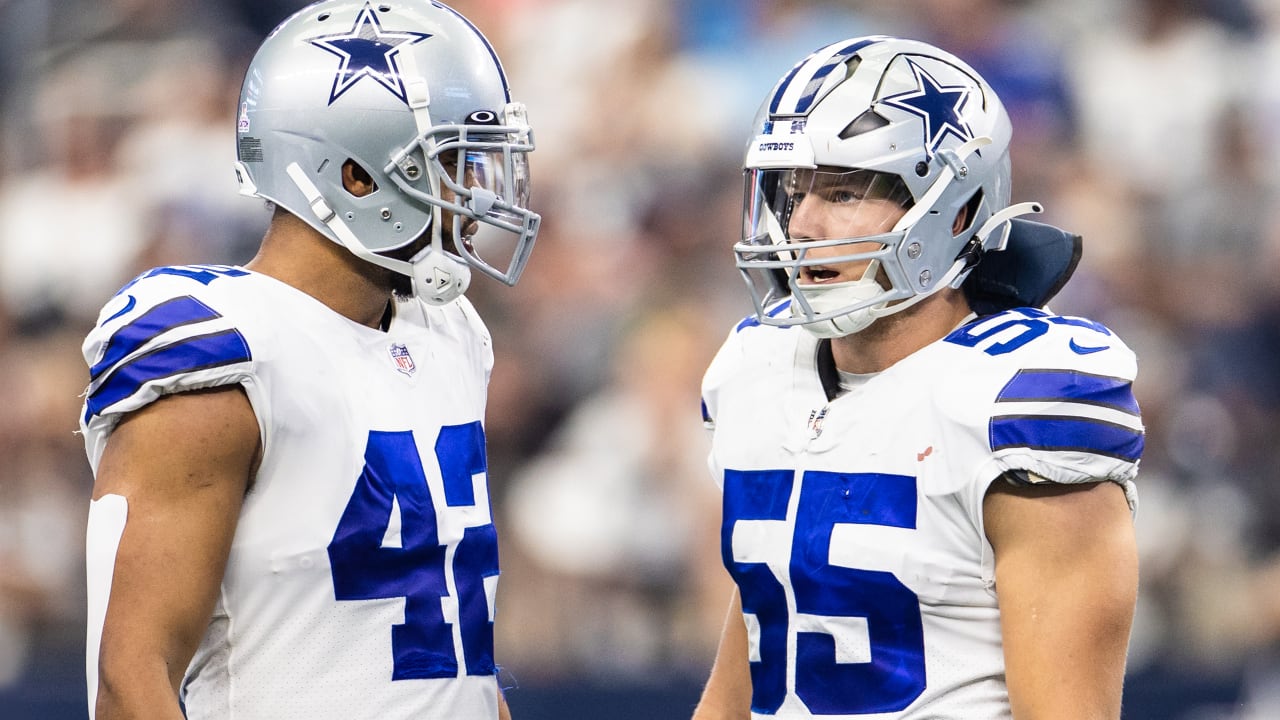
(439, 279)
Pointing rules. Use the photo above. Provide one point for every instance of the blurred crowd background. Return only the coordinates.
(1152, 127)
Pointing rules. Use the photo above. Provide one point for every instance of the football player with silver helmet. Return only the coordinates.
(928, 477)
(290, 515)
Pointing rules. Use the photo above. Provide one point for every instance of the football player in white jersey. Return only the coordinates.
(927, 476)
(290, 516)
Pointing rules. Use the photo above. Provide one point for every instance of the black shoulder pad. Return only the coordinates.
(1037, 262)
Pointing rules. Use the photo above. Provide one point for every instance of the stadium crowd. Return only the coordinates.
(1148, 126)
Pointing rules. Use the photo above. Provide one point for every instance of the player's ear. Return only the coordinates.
(356, 180)
(958, 225)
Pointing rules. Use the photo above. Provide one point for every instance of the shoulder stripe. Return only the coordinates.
(186, 356)
(754, 320)
(159, 319)
(1072, 387)
(1067, 434)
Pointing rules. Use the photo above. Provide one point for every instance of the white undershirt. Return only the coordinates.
(852, 381)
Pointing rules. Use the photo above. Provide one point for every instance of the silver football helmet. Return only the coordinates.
(866, 152)
(413, 94)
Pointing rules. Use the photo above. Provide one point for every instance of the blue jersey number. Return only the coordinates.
(366, 567)
(895, 674)
(1030, 324)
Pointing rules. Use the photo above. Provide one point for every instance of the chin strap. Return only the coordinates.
(325, 214)
(1002, 218)
(437, 277)
(960, 268)
(982, 241)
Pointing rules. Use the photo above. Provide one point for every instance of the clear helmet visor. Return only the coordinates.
(806, 228)
(490, 187)
(483, 194)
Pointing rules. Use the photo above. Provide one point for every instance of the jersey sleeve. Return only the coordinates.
(1063, 408)
(161, 334)
(723, 366)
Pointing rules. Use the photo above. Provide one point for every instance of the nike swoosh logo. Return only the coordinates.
(1085, 349)
(128, 306)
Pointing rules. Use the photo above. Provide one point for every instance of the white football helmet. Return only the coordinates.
(412, 93)
(880, 118)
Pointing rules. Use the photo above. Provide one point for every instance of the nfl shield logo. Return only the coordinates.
(403, 360)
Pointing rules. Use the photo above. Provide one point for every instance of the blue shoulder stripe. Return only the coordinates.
(159, 319)
(754, 320)
(1072, 387)
(1067, 434)
(189, 355)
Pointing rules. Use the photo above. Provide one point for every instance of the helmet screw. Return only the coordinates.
(926, 277)
(922, 168)
(410, 168)
(913, 251)
(385, 213)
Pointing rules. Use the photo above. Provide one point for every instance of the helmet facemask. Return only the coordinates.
(487, 193)
(821, 237)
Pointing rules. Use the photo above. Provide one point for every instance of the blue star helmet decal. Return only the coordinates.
(368, 51)
(939, 106)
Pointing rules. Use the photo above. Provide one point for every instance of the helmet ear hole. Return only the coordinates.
(356, 180)
(964, 218)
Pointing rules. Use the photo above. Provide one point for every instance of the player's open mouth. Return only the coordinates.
(817, 274)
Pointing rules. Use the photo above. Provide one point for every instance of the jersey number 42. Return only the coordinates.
(428, 575)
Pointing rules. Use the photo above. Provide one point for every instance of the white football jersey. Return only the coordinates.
(362, 575)
(853, 527)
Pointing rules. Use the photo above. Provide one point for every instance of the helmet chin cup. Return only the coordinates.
(837, 327)
(819, 300)
(439, 279)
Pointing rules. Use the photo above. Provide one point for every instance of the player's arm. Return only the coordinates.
(1067, 582)
(183, 464)
(727, 695)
